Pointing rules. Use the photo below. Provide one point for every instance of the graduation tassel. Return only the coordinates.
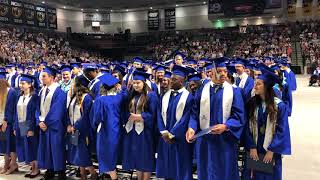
(251, 176)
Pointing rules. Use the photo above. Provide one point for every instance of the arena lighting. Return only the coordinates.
(43, 2)
(64, 7)
(150, 7)
(81, 9)
(231, 19)
(245, 18)
(127, 10)
(273, 16)
(97, 10)
(177, 5)
(204, 2)
(259, 17)
(111, 10)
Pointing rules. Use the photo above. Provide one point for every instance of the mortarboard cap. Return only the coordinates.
(108, 80)
(180, 71)
(51, 71)
(140, 75)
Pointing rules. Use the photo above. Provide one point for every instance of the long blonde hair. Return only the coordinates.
(3, 94)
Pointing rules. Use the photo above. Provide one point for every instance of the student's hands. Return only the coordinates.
(135, 117)
(14, 133)
(43, 126)
(268, 157)
(4, 126)
(254, 154)
(69, 129)
(30, 134)
(167, 139)
(219, 129)
(189, 135)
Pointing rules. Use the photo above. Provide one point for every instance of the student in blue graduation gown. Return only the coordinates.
(7, 109)
(106, 118)
(218, 107)
(91, 72)
(79, 122)
(289, 75)
(243, 81)
(268, 130)
(25, 128)
(53, 124)
(138, 141)
(174, 160)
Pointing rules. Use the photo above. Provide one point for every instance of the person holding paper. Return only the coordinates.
(25, 128)
(174, 159)
(138, 140)
(268, 130)
(218, 106)
(78, 121)
(106, 118)
(7, 109)
(52, 122)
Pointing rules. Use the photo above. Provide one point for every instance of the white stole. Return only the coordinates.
(180, 107)
(22, 108)
(93, 83)
(243, 81)
(46, 101)
(227, 100)
(148, 82)
(139, 126)
(3, 110)
(74, 110)
(17, 81)
(269, 126)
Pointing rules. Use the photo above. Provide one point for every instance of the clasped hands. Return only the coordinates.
(217, 129)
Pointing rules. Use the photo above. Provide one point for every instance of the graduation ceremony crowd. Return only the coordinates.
(162, 117)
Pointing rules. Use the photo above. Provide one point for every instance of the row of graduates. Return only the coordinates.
(124, 122)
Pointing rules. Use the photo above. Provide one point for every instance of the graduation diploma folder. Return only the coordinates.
(202, 133)
(259, 165)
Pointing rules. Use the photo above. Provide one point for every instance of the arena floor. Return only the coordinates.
(304, 163)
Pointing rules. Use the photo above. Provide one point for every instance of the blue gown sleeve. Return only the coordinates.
(247, 89)
(34, 104)
(83, 124)
(195, 111)
(281, 142)
(249, 143)
(96, 114)
(236, 120)
(287, 98)
(149, 116)
(179, 130)
(10, 108)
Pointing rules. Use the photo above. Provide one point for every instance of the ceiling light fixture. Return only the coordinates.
(177, 5)
(150, 7)
(43, 2)
(204, 2)
(64, 7)
(81, 9)
(111, 10)
(97, 10)
(127, 10)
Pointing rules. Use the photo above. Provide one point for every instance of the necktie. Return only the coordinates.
(174, 93)
(238, 81)
(216, 87)
(47, 92)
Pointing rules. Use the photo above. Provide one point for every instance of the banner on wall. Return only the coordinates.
(41, 16)
(4, 11)
(292, 7)
(170, 18)
(30, 14)
(153, 20)
(96, 17)
(307, 7)
(17, 12)
(52, 18)
(215, 7)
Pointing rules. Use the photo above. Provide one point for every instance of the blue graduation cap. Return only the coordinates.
(43, 63)
(268, 77)
(21, 67)
(65, 68)
(120, 69)
(89, 66)
(51, 71)
(75, 65)
(137, 60)
(108, 80)
(3, 75)
(241, 61)
(10, 66)
(28, 78)
(83, 80)
(124, 65)
(220, 62)
(178, 53)
(231, 68)
(2, 69)
(140, 75)
(180, 71)
(275, 67)
(192, 61)
(167, 74)
(160, 67)
(194, 77)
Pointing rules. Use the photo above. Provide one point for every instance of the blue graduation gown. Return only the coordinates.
(291, 80)
(51, 151)
(175, 161)
(107, 111)
(246, 91)
(285, 95)
(96, 88)
(9, 145)
(80, 155)
(139, 150)
(217, 155)
(280, 144)
(27, 147)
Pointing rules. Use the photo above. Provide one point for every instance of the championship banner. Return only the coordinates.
(30, 14)
(215, 7)
(307, 7)
(41, 16)
(153, 20)
(4, 11)
(170, 18)
(52, 18)
(17, 13)
(292, 7)
(96, 17)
